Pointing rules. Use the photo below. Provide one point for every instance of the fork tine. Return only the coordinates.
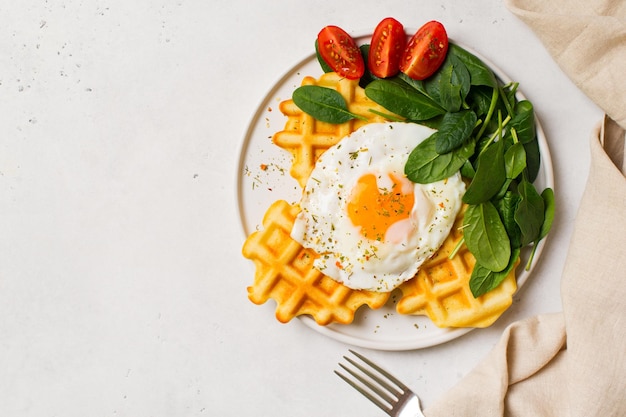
(380, 387)
(377, 387)
(385, 407)
(381, 371)
(384, 386)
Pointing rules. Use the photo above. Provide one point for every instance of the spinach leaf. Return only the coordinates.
(430, 87)
(467, 170)
(515, 160)
(486, 237)
(524, 121)
(488, 115)
(454, 84)
(426, 165)
(401, 99)
(506, 187)
(433, 123)
(367, 76)
(325, 67)
(449, 93)
(454, 70)
(509, 98)
(479, 99)
(548, 200)
(484, 280)
(506, 206)
(416, 84)
(455, 128)
(324, 104)
(533, 159)
(480, 73)
(530, 213)
(489, 177)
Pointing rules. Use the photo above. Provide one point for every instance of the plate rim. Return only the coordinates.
(333, 330)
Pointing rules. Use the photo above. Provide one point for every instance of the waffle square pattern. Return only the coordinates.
(441, 290)
(285, 273)
(306, 138)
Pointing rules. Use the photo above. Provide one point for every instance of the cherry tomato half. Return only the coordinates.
(341, 52)
(425, 52)
(386, 48)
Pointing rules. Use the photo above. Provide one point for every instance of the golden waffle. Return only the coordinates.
(441, 290)
(285, 273)
(306, 138)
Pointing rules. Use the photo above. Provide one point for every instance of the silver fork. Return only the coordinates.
(380, 387)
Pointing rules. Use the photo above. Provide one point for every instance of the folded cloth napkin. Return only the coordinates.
(571, 363)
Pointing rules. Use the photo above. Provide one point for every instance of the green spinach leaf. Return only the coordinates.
(486, 237)
(550, 205)
(431, 86)
(506, 206)
(548, 199)
(530, 213)
(515, 160)
(467, 170)
(479, 99)
(454, 84)
(490, 175)
(439, 85)
(367, 76)
(484, 280)
(480, 73)
(426, 165)
(416, 84)
(524, 121)
(533, 159)
(325, 67)
(401, 99)
(454, 130)
(324, 104)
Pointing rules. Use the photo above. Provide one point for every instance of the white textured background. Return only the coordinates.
(122, 287)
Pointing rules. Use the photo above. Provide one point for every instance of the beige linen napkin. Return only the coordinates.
(571, 363)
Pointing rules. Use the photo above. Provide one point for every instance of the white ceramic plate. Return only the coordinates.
(258, 188)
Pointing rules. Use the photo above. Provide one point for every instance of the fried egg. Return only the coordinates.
(372, 227)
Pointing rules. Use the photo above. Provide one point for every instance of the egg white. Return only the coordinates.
(324, 226)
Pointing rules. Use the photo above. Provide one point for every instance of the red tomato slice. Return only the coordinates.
(341, 52)
(425, 52)
(386, 48)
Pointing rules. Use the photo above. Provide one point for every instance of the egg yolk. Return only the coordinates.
(375, 210)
